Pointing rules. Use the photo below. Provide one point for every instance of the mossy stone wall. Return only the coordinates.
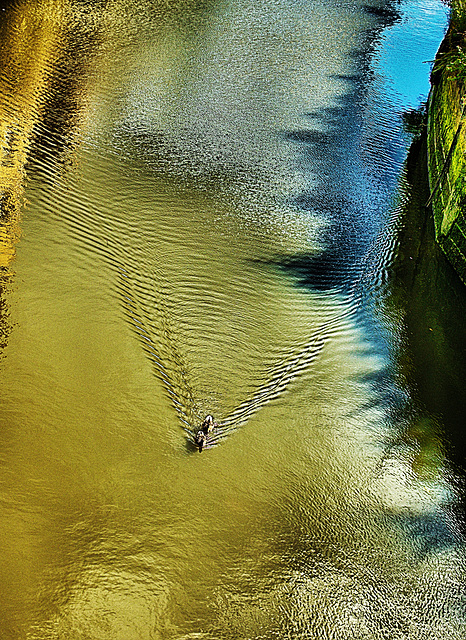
(447, 144)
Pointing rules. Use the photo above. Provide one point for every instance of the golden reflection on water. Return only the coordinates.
(146, 292)
(31, 44)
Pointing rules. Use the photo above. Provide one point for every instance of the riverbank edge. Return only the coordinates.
(446, 141)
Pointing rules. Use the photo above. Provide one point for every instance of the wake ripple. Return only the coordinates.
(162, 352)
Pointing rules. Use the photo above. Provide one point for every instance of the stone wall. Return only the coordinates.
(447, 142)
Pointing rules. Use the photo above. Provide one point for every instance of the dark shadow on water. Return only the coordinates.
(428, 533)
(348, 232)
(388, 13)
(432, 360)
(326, 271)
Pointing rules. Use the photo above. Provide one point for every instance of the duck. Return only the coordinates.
(207, 427)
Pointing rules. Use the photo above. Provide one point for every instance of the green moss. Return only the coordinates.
(447, 141)
(453, 63)
(458, 17)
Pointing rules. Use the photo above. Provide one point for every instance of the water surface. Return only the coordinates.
(205, 210)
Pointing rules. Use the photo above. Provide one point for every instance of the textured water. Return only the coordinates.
(206, 209)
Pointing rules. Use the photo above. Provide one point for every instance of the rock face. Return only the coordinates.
(447, 142)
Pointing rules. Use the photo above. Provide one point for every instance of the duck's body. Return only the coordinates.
(206, 427)
(200, 440)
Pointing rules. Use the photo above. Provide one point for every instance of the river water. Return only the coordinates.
(207, 209)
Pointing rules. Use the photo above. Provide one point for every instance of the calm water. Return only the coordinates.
(207, 209)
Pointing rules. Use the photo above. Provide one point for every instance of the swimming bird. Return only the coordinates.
(206, 427)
